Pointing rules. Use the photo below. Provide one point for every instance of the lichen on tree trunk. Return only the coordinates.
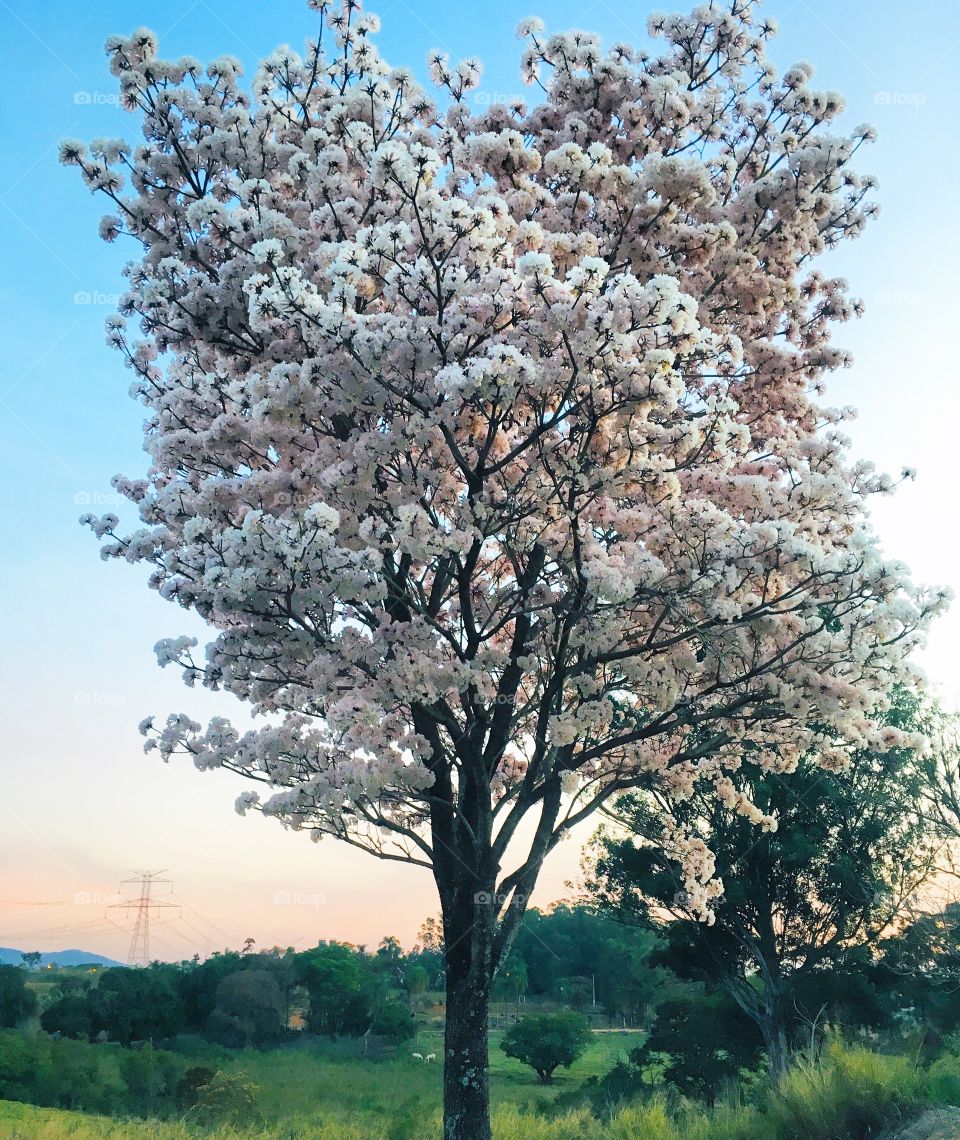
(469, 924)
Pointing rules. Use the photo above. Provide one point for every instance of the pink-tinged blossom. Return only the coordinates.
(489, 443)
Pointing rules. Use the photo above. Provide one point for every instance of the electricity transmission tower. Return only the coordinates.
(140, 942)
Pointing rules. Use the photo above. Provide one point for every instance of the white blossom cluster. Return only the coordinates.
(486, 440)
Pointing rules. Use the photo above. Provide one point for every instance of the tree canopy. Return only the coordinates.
(488, 443)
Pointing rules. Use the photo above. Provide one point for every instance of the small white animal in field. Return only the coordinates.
(417, 1056)
(430, 1057)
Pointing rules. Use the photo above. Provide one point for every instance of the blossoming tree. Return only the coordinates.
(485, 439)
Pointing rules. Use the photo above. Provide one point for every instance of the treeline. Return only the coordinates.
(678, 979)
(239, 1000)
(571, 956)
(59, 1073)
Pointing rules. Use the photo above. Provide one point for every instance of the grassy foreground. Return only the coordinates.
(324, 1081)
(326, 1091)
(849, 1094)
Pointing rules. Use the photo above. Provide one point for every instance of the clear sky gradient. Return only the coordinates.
(79, 802)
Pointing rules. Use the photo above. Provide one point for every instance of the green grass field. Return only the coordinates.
(849, 1092)
(318, 1083)
(327, 1091)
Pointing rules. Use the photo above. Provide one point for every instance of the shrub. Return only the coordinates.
(227, 1098)
(394, 1022)
(151, 1078)
(847, 1094)
(190, 1084)
(708, 1040)
(547, 1040)
(70, 1015)
(55, 1074)
(17, 1002)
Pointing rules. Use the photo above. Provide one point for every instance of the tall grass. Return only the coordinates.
(848, 1093)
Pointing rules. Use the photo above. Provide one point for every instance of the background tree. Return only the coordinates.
(429, 952)
(851, 849)
(394, 1022)
(701, 1041)
(198, 982)
(513, 979)
(70, 1015)
(31, 959)
(943, 776)
(918, 974)
(333, 975)
(249, 1009)
(17, 1001)
(486, 443)
(572, 948)
(136, 1004)
(545, 1041)
(415, 981)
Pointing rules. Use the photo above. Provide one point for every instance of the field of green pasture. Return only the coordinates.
(327, 1090)
(847, 1093)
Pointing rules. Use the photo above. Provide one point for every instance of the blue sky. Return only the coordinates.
(79, 803)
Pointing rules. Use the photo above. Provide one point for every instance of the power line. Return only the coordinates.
(140, 942)
(232, 940)
(30, 902)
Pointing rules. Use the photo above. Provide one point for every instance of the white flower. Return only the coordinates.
(569, 782)
(531, 26)
(267, 250)
(246, 801)
(323, 516)
(533, 264)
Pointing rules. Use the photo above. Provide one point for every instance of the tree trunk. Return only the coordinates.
(774, 1038)
(466, 1087)
(468, 931)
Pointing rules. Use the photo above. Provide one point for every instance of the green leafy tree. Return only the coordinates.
(850, 850)
(578, 954)
(197, 984)
(17, 1000)
(700, 1041)
(513, 979)
(70, 1015)
(137, 1004)
(150, 1076)
(31, 958)
(334, 977)
(249, 1009)
(545, 1041)
(415, 981)
(394, 1021)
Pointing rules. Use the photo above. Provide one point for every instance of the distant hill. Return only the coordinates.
(10, 957)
